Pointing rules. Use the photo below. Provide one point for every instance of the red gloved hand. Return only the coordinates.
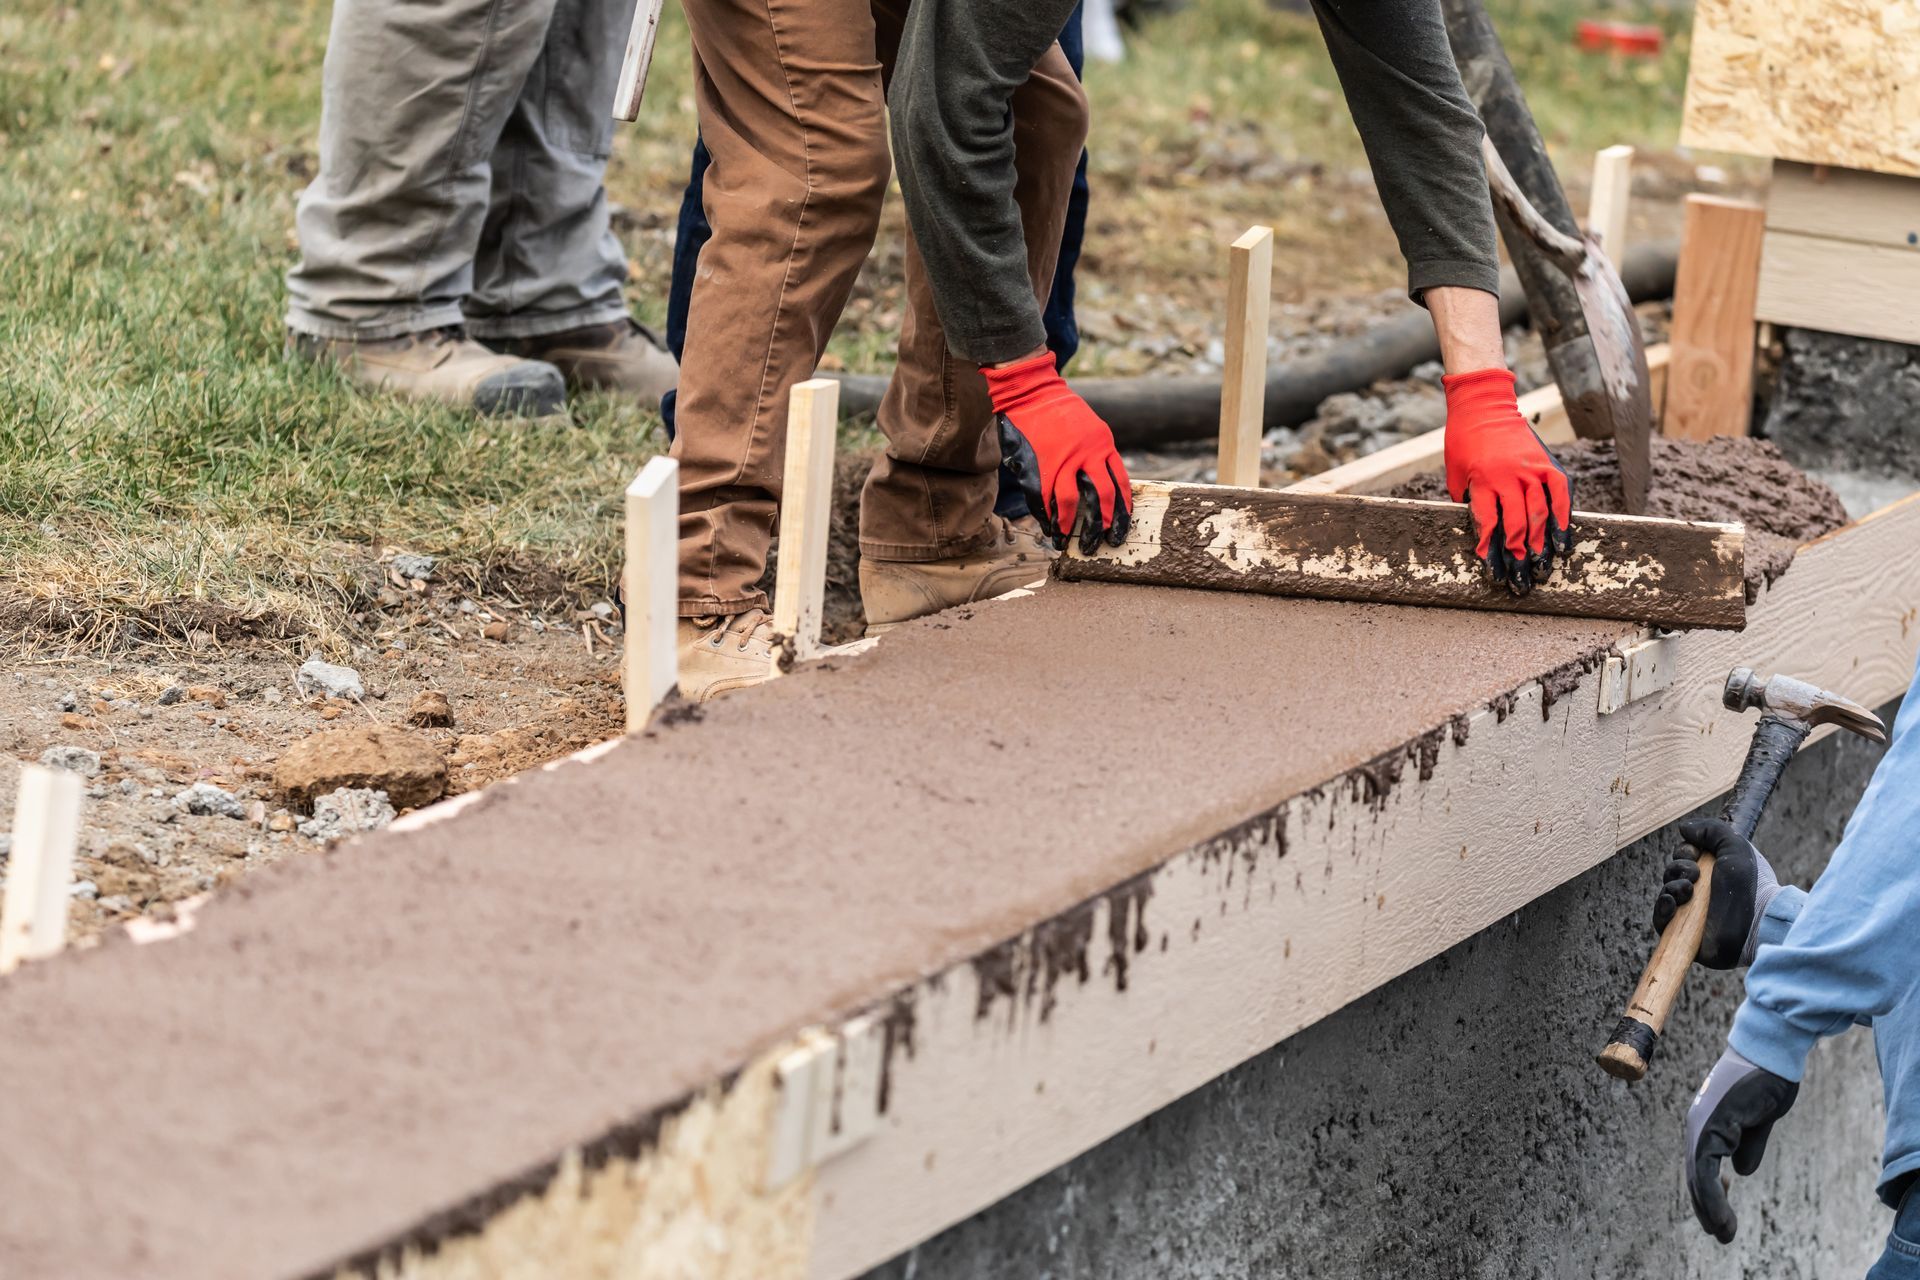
(1521, 501)
(1061, 453)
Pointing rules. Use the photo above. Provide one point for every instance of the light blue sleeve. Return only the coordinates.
(1850, 955)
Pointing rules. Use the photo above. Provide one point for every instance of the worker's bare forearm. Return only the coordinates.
(1467, 322)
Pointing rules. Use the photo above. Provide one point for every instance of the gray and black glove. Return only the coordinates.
(1743, 884)
(1732, 1115)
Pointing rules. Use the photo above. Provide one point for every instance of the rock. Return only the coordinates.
(212, 695)
(316, 676)
(119, 904)
(496, 630)
(601, 610)
(346, 812)
(71, 721)
(281, 821)
(129, 787)
(172, 694)
(430, 710)
(67, 702)
(207, 800)
(86, 890)
(77, 759)
(417, 568)
(404, 765)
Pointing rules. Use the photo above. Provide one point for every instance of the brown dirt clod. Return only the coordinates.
(430, 710)
(405, 765)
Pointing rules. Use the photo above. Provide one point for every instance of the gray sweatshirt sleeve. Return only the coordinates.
(1421, 134)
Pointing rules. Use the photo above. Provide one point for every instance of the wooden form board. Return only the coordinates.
(1671, 573)
(1528, 796)
(1424, 453)
(651, 664)
(1611, 200)
(1842, 252)
(46, 830)
(1710, 379)
(1819, 81)
(806, 513)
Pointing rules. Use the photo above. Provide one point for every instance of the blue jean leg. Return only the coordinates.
(1901, 1261)
(691, 233)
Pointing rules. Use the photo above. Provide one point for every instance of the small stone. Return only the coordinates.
(67, 702)
(468, 606)
(212, 695)
(408, 767)
(281, 821)
(257, 813)
(206, 800)
(330, 713)
(77, 759)
(601, 610)
(316, 676)
(496, 630)
(85, 890)
(430, 710)
(96, 793)
(272, 694)
(129, 787)
(416, 568)
(537, 625)
(347, 811)
(173, 693)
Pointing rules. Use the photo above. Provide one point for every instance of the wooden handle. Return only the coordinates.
(1626, 1054)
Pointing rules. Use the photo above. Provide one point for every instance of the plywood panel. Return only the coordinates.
(1841, 286)
(1820, 81)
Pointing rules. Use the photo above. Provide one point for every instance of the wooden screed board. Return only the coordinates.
(1672, 573)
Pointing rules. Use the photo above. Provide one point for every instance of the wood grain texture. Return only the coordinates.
(637, 59)
(1841, 286)
(1418, 455)
(1389, 550)
(1844, 204)
(806, 512)
(1243, 382)
(651, 584)
(1819, 81)
(1612, 199)
(1710, 382)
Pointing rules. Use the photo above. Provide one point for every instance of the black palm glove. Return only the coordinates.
(1742, 886)
(1732, 1115)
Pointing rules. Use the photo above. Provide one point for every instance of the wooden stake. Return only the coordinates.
(639, 57)
(46, 827)
(652, 588)
(1243, 384)
(1670, 573)
(1710, 386)
(806, 511)
(1612, 196)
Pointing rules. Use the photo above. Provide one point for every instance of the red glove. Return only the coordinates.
(1061, 453)
(1521, 501)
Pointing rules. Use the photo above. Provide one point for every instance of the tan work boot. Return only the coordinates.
(895, 591)
(721, 654)
(622, 356)
(443, 365)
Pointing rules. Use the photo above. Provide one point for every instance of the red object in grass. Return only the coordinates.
(1619, 37)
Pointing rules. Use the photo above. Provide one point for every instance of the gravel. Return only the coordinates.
(417, 568)
(172, 694)
(346, 812)
(77, 759)
(326, 678)
(207, 800)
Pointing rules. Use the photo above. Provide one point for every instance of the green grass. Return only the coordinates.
(159, 457)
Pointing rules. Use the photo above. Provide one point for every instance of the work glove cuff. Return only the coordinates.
(1766, 887)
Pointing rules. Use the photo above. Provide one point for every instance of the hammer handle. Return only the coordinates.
(1774, 741)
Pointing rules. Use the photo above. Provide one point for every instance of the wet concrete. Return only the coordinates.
(1452, 1125)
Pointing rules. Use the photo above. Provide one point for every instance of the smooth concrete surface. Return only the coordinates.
(1452, 1125)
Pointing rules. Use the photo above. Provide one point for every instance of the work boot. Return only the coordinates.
(624, 355)
(895, 591)
(442, 365)
(721, 654)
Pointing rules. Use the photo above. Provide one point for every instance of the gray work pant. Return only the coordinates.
(463, 151)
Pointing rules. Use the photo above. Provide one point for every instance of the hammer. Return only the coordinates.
(1789, 711)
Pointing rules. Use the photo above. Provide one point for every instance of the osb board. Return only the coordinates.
(1820, 81)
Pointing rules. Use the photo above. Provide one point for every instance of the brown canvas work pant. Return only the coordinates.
(792, 105)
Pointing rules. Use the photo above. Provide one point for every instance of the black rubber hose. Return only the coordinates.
(1145, 412)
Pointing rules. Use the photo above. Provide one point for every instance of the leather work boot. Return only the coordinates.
(721, 654)
(895, 591)
(442, 365)
(622, 356)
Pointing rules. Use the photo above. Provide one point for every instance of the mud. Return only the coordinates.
(446, 1009)
(1728, 478)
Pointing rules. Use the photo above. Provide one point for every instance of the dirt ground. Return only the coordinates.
(539, 693)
